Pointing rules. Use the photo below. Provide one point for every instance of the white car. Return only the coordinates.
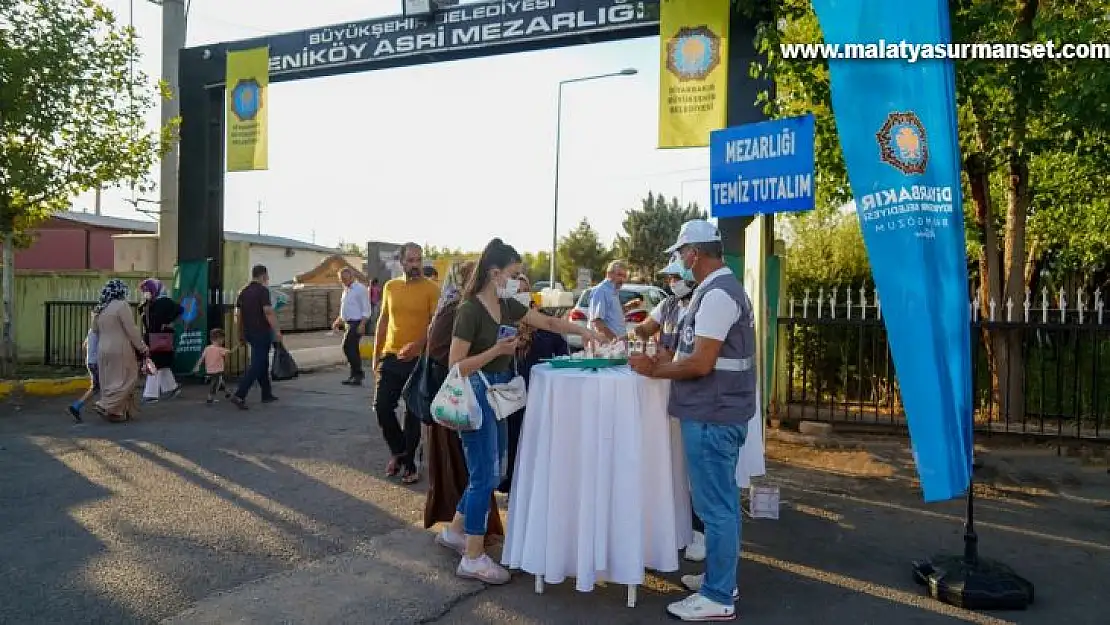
(649, 297)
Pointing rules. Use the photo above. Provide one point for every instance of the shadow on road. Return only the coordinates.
(121, 523)
(138, 522)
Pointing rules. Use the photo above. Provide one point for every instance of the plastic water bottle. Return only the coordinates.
(652, 348)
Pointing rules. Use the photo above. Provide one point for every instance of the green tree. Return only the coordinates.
(650, 229)
(537, 266)
(71, 118)
(1026, 127)
(580, 248)
(836, 240)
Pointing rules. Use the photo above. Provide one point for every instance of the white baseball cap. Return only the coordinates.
(675, 268)
(696, 231)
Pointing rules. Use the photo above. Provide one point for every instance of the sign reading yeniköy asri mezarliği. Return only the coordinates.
(762, 168)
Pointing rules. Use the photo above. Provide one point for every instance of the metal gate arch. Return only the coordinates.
(448, 34)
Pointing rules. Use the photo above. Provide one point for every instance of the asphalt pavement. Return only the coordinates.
(198, 514)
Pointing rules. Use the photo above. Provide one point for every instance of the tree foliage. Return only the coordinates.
(71, 115)
(826, 250)
(651, 229)
(1033, 135)
(538, 265)
(71, 107)
(580, 248)
(1046, 121)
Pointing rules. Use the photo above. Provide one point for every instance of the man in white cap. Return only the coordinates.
(665, 317)
(665, 320)
(713, 394)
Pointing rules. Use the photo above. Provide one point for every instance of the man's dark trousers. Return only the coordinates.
(392, 375)
(259, 369)
(351, 341)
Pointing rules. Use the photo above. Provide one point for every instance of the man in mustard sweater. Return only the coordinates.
(408, 304)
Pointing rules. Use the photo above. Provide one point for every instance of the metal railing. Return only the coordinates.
(66, 324)
(834, 364)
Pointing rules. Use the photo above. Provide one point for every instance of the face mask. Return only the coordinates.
(509, 289)
(687, 264)
(680, 288)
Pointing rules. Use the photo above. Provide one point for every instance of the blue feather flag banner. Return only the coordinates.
(898, 130)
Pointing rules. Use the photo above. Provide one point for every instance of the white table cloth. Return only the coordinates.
(600, 489)
(753, 456)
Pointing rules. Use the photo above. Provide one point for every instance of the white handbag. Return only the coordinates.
(507, 398)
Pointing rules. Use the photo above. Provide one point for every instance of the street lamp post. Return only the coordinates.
(558, 145)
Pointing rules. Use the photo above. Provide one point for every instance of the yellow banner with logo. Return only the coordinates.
(248, 79)
(693, 75)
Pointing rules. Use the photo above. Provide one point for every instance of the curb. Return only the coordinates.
(58, 387)
(366, 350)
(45, 387)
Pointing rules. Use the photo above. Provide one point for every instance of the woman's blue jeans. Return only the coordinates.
(485, 450)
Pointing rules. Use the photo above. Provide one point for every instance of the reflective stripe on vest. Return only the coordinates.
(736, 365)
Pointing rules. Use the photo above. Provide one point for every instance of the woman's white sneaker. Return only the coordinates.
(482, 569)
(451, 540)
(695, 551)
(697, 608)
(693, 584)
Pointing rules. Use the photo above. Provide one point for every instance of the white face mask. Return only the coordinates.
(509, 289)
(680, 289)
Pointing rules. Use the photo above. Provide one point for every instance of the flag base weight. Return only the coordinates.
(981, 585)
(969, 582)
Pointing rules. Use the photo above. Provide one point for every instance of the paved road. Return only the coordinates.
(198, 514)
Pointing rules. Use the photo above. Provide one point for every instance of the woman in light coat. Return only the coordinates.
(119, 349)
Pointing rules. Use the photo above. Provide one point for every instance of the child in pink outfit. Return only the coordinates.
(213, 360)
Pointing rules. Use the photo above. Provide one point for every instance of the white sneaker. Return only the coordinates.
(693, 584)
(695, 551)
(482, 569)
(451, 540)
(696, 608)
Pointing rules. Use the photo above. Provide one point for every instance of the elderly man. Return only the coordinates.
(713, 394)
(606, 312)
(354, 314)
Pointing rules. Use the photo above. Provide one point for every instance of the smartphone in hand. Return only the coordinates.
(506, 332)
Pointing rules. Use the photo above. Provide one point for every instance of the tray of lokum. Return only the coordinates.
(600, 357)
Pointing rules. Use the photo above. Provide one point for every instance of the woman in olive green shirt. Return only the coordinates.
(488, 305)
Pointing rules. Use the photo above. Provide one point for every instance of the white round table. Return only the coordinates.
(599, 490)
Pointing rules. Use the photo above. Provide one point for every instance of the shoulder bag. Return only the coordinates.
(507, 398)
(160, 342)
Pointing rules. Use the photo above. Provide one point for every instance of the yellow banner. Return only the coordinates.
(693, 75)
(248, 79)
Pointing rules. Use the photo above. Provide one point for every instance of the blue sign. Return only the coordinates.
(191, 309)
(762, 168)
(897, 125)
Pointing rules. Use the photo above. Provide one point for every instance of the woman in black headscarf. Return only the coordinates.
(159, 312)
(534, 346)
